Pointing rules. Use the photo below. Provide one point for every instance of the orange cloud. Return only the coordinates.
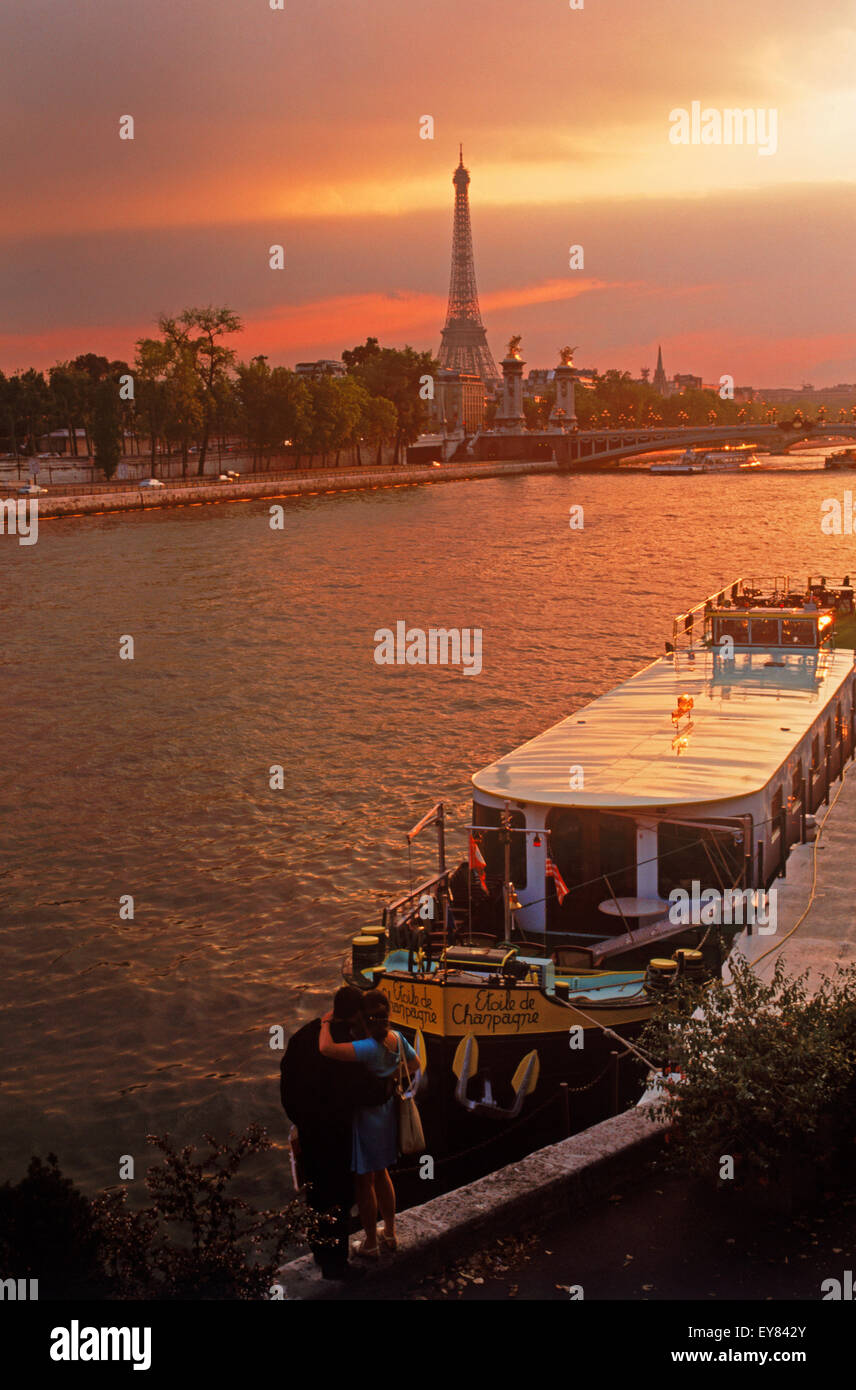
(390, 316)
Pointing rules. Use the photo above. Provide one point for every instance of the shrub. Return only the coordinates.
(48, 1232)
(768, 1072)
(195, 1240)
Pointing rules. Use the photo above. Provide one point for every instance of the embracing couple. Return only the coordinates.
(338, 1086)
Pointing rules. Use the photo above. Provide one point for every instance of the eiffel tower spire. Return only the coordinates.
(464, 347)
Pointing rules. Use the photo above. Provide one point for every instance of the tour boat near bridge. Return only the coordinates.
(524, 974)
(844, 458)
(730, 459)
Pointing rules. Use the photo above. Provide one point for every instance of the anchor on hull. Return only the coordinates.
(523, 1083)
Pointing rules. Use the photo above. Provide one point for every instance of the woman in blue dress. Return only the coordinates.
(375, 1138)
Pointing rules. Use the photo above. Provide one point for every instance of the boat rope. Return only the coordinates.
(616, 1037)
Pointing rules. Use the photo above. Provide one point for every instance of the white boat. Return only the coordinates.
(675, 466)
(695, 776)
(727, 741)
(727, 460)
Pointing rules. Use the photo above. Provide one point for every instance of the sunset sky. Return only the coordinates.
(301, 126)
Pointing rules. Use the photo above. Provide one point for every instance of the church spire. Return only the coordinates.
(659, 383)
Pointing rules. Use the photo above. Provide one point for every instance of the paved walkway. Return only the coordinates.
(827, 935)
(663, 1239)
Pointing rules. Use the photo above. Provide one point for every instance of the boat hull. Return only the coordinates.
(507, 1023)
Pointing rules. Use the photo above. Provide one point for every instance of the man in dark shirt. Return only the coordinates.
(320, 1097)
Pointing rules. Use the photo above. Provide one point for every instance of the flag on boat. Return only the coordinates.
(561, 886)
(477, 862)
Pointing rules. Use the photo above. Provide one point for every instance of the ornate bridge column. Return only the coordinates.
(512, 420)
(563, 416)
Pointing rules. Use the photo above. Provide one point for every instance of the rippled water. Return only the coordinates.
(255, 647)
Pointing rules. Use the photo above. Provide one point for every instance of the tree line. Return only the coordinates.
(186, 388)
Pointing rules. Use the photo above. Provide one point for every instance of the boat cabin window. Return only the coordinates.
(589, 847)
(711, 856)
(775, 814)
(799, 632)
(765, 632)
(735, 628)
(493, 849)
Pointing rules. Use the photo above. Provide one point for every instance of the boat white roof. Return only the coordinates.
(746, 719)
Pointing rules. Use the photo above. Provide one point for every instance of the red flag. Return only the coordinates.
(477, 862)
(561, 886)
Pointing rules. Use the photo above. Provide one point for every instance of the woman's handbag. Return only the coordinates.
(411, 1138)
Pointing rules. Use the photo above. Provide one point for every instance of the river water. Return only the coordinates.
(254, 647)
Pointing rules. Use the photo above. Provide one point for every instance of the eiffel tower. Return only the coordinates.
(464, 347)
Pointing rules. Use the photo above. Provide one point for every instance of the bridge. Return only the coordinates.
(600, 448)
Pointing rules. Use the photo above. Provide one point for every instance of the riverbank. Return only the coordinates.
(214, 493)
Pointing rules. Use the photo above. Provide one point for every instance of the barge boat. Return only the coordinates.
(524, 975)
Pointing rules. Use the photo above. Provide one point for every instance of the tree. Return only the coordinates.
(107, 427)
(35, 406)
(151, 370)
(9, 408)
(537, 409)
(93, 368)
(354, 401)
(68, 388)
(196, 332)
(397, 376)
(47, 1232)
(183, 405)
(378, 424)
(272, 406)
(335, 409)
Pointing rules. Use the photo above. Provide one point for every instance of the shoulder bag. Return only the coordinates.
(411, 1137)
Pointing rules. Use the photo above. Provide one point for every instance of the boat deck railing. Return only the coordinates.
(758, 592)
